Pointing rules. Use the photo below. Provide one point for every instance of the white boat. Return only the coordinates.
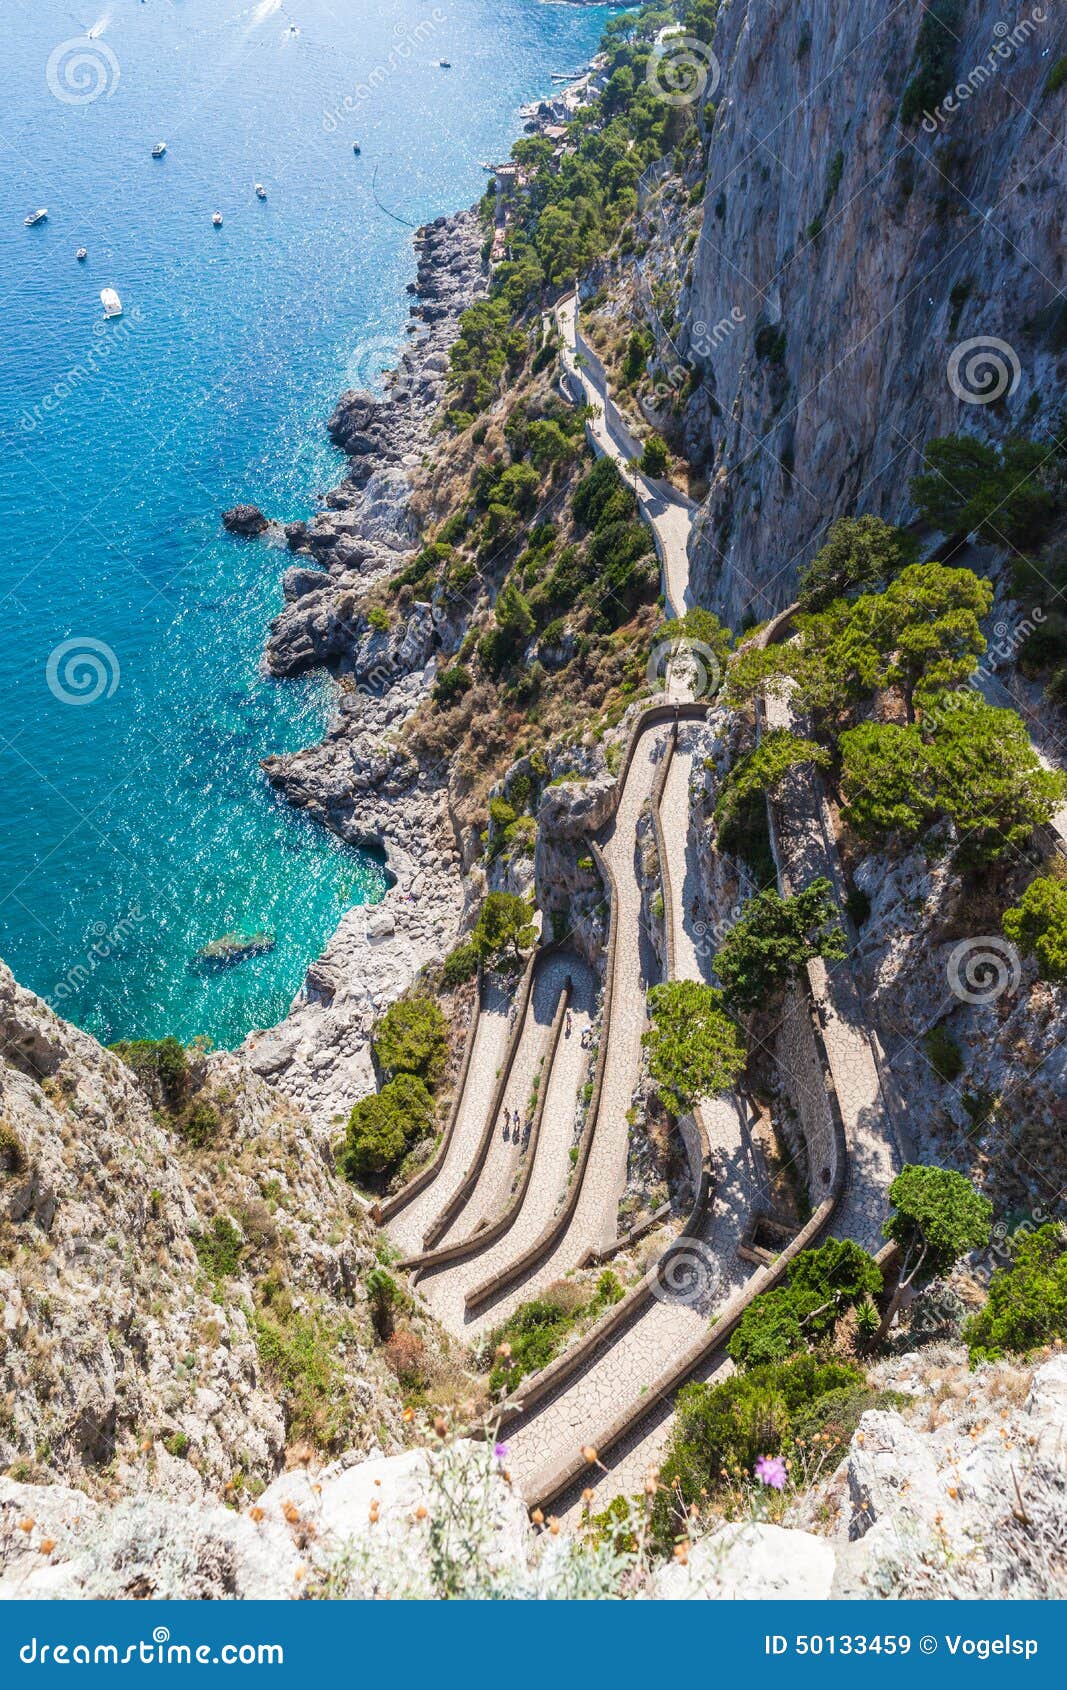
(111, 302)
(81, 255)
(261, 192)
(159, 149)
(36, 217)
(217, 219)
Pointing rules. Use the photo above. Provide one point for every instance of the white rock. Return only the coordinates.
(745, 1561)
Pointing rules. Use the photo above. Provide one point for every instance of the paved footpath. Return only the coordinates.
(667, 511)
(445, 1288)
(490, 1043)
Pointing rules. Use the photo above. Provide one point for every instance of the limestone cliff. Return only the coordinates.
(180, 1309)
(844, 255)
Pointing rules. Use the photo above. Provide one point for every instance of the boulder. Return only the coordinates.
(744, 1561)
(246, 520)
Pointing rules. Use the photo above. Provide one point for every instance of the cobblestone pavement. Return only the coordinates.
(407, 1227)
(445, 1288)
(873, 1154)
(504, 1153)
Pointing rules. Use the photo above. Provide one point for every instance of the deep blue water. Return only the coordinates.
(137, 826)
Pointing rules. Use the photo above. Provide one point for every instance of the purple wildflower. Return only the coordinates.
(500, 1451)
(770, 1470)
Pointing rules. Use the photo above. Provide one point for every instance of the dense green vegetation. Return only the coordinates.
(820, 1287)
(504, 929)
(528, 1339)
(1038, 923)
(694, 1048)
(412, 1038)
(861, 553)
(772, 940)
(1001, 492)
(385, 1125)
(937, 1217)
(162, 1067)
(1027, 1303)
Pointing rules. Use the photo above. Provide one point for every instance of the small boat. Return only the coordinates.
(217, 219)
(356, 148)
(445, 64)
(111, 302)
(36, 217)
(261, 192)
(81, 255)
(159, 149)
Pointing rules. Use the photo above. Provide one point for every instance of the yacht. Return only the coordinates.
(81, 255)
(261, 192)
(217, 219)
(111, 302)
(36, 217)
(159, 149)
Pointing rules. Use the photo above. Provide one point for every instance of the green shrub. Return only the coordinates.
(1038, 923)
(655, 459)
(199, 1124)
(1057, 76)
(451, 684)
(378, 618)
(773, 939)
(384, 1125)
(726, 1427)
(860, 552)
(300, 1352)
(944, 1054)
(219, 1250)
(820, 1286)
(459, 965)
(412, 1038)
(161, 1065)
(936, 48)
(1027, 1303)
(12, 1150)
(694, 1048)
(999, 492)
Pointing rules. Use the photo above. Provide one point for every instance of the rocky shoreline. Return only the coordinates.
(357, 781)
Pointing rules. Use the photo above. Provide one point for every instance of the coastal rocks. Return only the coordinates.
(234, 947)
(246, 520)
(298, 581)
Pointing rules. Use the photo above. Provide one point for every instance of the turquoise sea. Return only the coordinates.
(135, 824)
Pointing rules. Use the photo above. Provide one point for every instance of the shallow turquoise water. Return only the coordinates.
(137, 826)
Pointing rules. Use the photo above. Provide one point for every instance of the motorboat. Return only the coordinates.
(217, 219)
(81, 255)
(261, 192)
(445, 64)
(356, 148)
(159, 149)
(111, 302)
(36, 217)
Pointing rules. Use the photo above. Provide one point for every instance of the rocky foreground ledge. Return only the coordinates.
(966, 1501)
(356, 781)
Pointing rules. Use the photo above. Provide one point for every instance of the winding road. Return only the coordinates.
(506, 1211)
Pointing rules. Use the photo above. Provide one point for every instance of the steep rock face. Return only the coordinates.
(842, 259)
(134, 1353)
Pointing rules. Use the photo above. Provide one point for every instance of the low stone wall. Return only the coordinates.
(383, 1213)
(488, 1235)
